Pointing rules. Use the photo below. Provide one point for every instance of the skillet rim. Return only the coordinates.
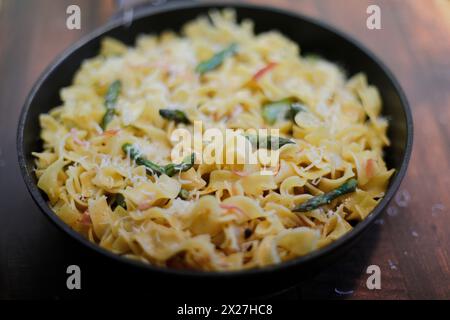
(310, 258)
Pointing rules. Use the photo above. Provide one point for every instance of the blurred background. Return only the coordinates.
(410, 243)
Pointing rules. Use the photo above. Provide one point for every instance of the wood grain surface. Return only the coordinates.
(411, 243)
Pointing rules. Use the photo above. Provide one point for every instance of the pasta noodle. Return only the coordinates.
(211, 216)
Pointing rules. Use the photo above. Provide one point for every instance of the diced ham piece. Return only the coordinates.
(111, 132)
(370, 168)
(230, 207)
(86, 219)
(264, 70)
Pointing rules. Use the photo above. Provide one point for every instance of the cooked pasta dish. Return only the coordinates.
(107, 164)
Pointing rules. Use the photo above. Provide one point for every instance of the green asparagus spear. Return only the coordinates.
(152, 168)
(184, 194)
(274, 110)
(267, 142)
(120, 200)
(294, 109)
(172, 168)
(326, 198)
(110, 102)
(217, 59)
(117, 199)
(174, 115)
(135, 154)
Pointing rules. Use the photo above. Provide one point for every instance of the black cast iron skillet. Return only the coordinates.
(312, 36)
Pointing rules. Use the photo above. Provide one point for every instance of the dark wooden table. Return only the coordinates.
(411, 243)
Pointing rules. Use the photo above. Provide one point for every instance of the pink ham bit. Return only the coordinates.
(111, 132)
(264, 70)
(145, 205)
(277, 170)
(370, 168)
(230, 207)
(240, 173)
(86, 219)
(73, 134)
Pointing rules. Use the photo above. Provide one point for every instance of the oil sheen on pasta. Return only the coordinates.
(230, 216)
